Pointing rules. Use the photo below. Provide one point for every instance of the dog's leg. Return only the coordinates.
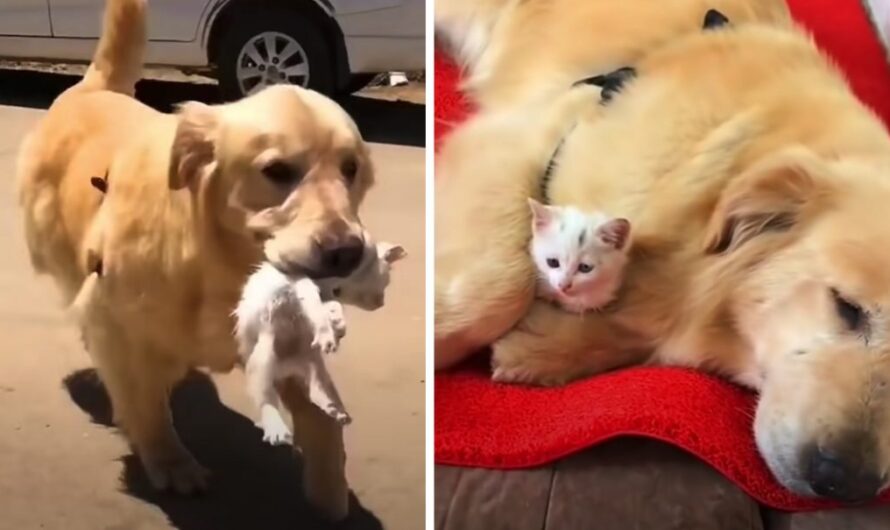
(484, 274)
(551, 347)
(324, 460)
(139, 381)
(260, 372)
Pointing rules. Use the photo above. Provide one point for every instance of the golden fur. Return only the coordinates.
(187, 216)
(519, 49)
(757, 187)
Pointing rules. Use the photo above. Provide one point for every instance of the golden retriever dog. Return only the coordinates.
(757, 185)
(194, 202)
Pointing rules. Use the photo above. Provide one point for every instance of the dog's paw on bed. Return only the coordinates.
(528, 372)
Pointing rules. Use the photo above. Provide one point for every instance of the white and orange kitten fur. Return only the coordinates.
(580, 256)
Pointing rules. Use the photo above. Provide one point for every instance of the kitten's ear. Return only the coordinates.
(542, 216)
(391, 253)
(615, 233)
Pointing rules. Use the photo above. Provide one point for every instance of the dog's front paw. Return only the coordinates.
(538, 352)
(526, 374)
(512, 374)
(175, 470)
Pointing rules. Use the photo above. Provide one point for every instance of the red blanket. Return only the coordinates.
(483, 424)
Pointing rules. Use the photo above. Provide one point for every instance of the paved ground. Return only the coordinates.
(62, 467)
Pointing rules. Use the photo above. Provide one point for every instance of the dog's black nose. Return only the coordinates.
(841, 479)
(340, 257)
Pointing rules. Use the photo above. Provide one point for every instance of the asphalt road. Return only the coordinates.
(63, 467)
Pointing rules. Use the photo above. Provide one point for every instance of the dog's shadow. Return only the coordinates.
(253, 485)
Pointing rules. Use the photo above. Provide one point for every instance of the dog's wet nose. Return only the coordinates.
(340, 257)
(841, 479)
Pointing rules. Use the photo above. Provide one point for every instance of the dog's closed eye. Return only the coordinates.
(349, 169)
(854, 317)
(282, 173)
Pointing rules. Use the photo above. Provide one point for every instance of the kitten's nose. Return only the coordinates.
(565, 286)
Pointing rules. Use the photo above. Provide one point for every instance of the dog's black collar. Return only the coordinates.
(714, 19)
(100, 183)
(548, 171)
(611, 84)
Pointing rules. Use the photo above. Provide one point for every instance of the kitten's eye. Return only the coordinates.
(349, 169)
(584, 268)
(553, 263)
(281, 173)
(852, 314)
(336, 291)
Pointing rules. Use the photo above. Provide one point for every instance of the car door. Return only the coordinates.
(381, 18)
(168, 20)
(27, 18)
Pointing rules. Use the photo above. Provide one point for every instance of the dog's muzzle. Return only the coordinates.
(340, 256)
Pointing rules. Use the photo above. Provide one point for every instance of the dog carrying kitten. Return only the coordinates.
(580, 256)
(285, 323)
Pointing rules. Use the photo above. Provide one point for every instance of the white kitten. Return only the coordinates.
(580, 256)
(285, 323)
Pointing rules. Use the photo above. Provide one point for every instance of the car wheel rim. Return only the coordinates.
(271, 58)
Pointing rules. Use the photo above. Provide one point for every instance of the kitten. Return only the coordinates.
(580, 256)
(284, 324)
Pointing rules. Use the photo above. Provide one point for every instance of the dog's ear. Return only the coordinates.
(193, 145)
(769, 197)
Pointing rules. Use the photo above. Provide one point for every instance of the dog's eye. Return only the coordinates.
(852, 314)
(281, 173)
(553, 263)
(349, 169)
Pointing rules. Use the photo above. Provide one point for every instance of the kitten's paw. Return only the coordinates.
(275, 432)
(337, 319)
(325, 339)
(339, 415)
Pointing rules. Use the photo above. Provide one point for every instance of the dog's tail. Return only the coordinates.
(117, 63)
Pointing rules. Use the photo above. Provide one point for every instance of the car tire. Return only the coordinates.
(244, 56)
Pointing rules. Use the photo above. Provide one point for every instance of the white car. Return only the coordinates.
(328, 45)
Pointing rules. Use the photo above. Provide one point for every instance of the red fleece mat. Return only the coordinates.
(483, 424)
